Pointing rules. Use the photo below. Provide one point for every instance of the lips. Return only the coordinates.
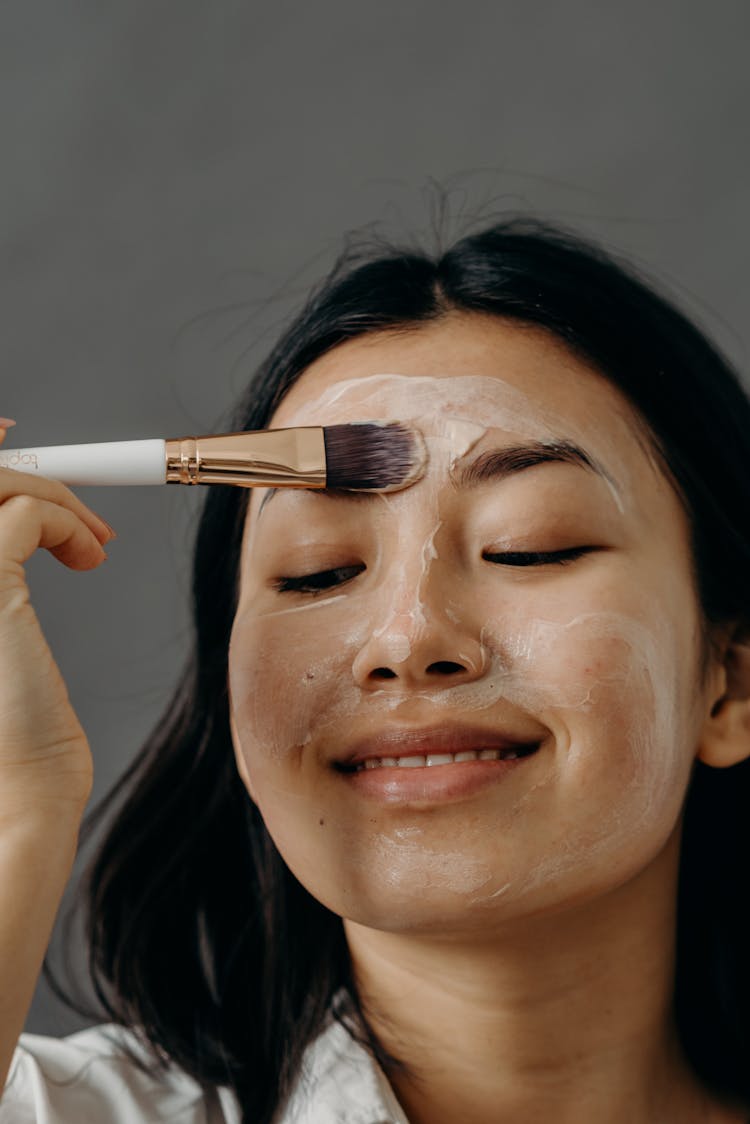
(406, 742)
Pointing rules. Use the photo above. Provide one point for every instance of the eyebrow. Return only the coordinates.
(495, 464)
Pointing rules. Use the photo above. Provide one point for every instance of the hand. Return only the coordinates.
(45, 761)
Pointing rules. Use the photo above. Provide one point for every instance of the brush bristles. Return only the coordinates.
(367, 457)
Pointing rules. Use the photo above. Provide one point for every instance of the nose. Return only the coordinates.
(419, 647)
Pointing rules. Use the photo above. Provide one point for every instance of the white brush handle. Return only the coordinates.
(101, 462)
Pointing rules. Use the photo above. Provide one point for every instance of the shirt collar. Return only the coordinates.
(339, 1082)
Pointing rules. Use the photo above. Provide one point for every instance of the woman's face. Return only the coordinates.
(415, 623)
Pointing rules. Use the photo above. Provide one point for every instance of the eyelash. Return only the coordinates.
(538, 558)
(312, 583)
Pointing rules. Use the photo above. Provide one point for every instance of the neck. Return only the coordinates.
(565, 1017)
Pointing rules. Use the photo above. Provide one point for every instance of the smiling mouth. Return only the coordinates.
(431, 760)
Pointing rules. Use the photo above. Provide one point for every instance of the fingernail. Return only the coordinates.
(6, 423)
(112, 531)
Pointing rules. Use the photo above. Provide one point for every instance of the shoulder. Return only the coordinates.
(90, 1075)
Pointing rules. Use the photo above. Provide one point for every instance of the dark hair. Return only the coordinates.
(201, 939)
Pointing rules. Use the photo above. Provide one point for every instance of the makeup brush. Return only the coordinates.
(361, 456)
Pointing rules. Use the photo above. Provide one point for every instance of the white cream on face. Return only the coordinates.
(595, 667)
(447, 411)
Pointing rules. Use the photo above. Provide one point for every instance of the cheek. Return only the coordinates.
(287, 673)
(616, 694)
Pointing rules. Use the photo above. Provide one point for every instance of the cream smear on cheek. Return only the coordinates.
(587, 676)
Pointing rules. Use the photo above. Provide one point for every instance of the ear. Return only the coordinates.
(726, 735)
(241, 765)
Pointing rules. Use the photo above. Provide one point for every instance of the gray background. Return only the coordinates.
(175, 175)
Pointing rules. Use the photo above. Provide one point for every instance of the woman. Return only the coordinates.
(446, 820)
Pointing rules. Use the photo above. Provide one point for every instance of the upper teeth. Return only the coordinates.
(419, 760)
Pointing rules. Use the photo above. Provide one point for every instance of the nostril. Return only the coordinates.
(445, 667)
(382, 673)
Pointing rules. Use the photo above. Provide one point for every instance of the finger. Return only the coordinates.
(13, 483)
(5, 424)
(27, 523)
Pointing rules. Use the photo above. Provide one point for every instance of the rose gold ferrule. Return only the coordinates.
(272, 458)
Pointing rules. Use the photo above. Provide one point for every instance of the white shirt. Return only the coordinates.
(85, 1079)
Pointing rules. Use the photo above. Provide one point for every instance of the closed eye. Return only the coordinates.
(319, 581)
(537, 558)
(322, 580)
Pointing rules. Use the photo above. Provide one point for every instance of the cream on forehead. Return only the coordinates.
(414, 396)
(448, 405)
(500, 403)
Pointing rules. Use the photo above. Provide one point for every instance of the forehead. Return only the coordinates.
(464, 374)
(474, 382)
(527, 376)
(470, 374)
